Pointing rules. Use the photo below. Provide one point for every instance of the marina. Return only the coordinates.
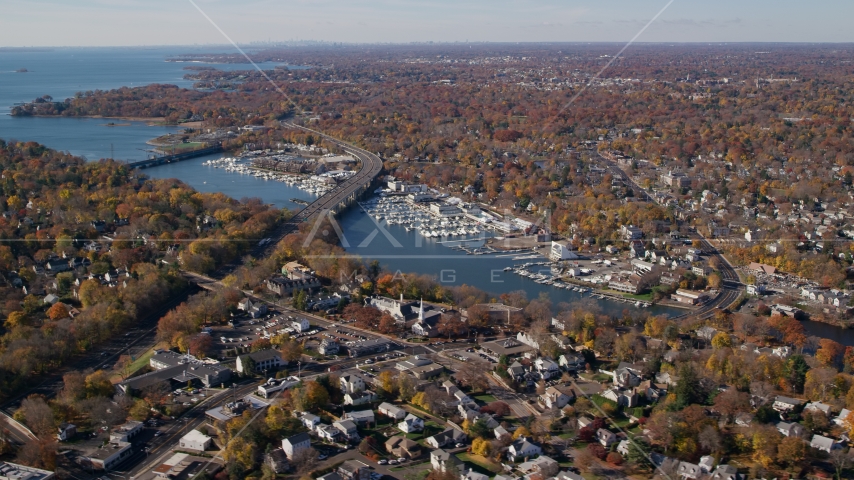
(314, 184)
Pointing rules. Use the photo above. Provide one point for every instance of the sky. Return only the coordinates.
(179, 22)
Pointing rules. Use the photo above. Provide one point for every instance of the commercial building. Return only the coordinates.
(13, 471)
(560, 251)
(172, 366)
(689, 297)
(259, 362)
(195, 440)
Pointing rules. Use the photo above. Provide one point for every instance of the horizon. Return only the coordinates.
(96, 23)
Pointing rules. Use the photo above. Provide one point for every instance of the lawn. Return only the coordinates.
(482, 464)
(416, 475)
(182, 147)
(645, 297)
(135, 366)
(486, 398)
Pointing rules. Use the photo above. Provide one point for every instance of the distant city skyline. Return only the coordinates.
(177, 22)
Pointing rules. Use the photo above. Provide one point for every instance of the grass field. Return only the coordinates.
(485, 398)
(483, 463)
(135, 366)
(182, 147)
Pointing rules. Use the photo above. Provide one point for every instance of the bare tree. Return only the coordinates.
(840, 460)
(304, 460)
(473, 373)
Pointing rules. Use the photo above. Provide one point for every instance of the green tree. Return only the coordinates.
(687, 389)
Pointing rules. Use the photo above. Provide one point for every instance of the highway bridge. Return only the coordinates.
(337, 199)
(175, 157)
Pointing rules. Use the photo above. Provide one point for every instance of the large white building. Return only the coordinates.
(560, 252)
(195, 440)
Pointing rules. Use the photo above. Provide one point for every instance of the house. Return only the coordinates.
(331, 433)
(543, 465)
(254, 309)
(818, 407)
(441, 460)
(786, 404)
(554, 398)
(330, 476)
(260, 362)
(301, 325)
(790, 429)
(352, 383)
(688, 470)
(744, 419)
(631, 232)
(523, 448)
(500, 431)
(392, 411)
(626, 375)
(546, 368)
(328, 347)
(402, 447)
(516, 370)
(347, 428)
(195, 440)
(277, 461)
(67, 431)
(825, 444)
(622, 398)
(726, 472)
(296, 444)
(360, 398)
(472, 475)
(842, 418)
(707, 333)
(411, 424)
(310, 420)
(572, 362)
(361, 417)
(606, 437)
(354, 470)
(451, 436)
(528, 340)
(623, 448)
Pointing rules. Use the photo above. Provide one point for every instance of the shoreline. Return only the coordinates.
(151, 121)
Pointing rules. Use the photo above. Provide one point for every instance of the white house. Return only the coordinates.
(606, 437)
(411, 424)
(547, 368)
(359, 398)
(296, 444)
(352, 384)
(195, 440)
(301, 325)
(818, 407)
(440, 460)
(347, 428)
(842, 418)
(522, 448)
(820, 442)
(310, 420)
(392, 411)
(785, 404)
